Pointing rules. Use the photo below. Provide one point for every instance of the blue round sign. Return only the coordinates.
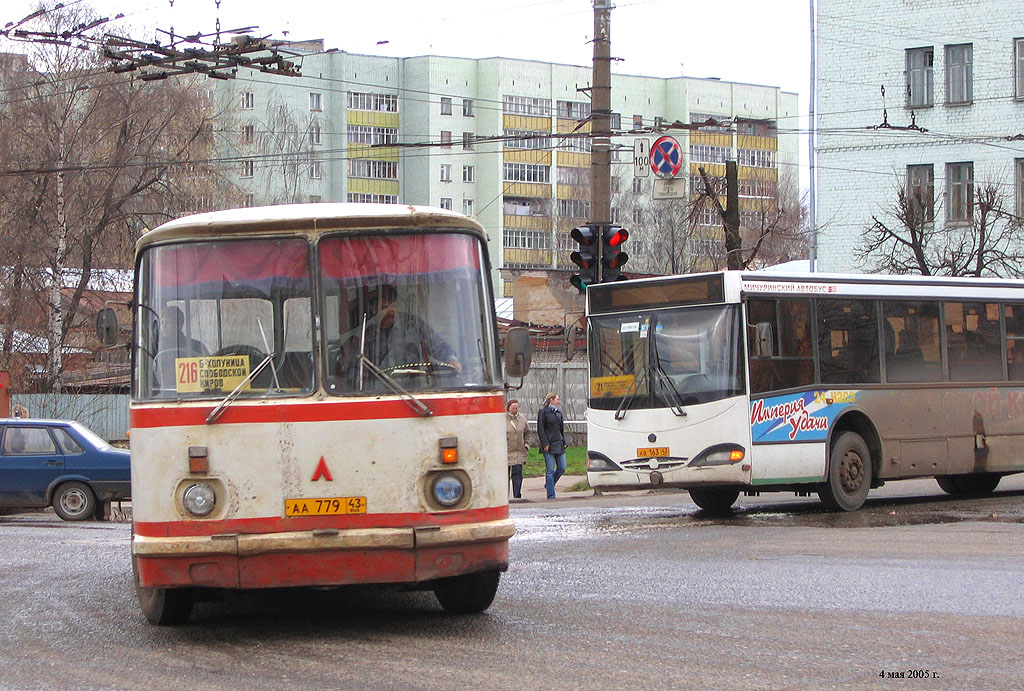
(666, 157)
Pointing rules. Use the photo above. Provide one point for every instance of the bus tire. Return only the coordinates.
(971, 485)
(849, 474)
(714, 499)
(163, 606)
(74, 501)
(469, 594)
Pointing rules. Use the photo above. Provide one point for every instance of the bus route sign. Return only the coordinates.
(666, 157)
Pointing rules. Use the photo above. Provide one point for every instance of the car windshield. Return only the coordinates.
(665, 358)
(405, 310)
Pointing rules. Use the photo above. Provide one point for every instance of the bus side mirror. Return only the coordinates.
(764, 344)
(106, 326)
(517, 352)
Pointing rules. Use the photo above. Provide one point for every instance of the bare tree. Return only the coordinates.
(94, 158)
(907, 238)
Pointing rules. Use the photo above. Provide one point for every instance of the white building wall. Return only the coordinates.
(861, 47)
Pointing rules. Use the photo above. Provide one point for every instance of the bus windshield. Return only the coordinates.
(210, 314)
(406, 310)
(666, 358)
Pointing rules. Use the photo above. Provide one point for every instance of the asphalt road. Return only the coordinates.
(637, 591)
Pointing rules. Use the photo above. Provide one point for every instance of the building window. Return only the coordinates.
(1018, 67)
(446, 105)
(315, 199)
(467, 140)
(921, 192)
(467, 207)
(638, 217)
(524, 105)
(380, 103)
(959, 73)
(573, 208)
(468, 174)
(248, 100)
(446, 172)
(446, 203)
(467, 107)
(573, 110)
(638, 122)
(248, 167)
(364, 134)
(959, 191)
(919, 76)
(638, 185)
(1019, 185)
(314, 133)
(367, 198)
(316, 102)
(316, 170)
(373, 170)
(250, 200)
(615, 121)
(446, 139)
(248, 134)
(579, 144)
(525, 172)
(526, 139)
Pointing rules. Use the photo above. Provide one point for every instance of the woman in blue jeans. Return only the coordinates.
(552, 441)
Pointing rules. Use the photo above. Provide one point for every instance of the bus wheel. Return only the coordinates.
(849, 474)
(163, 606)
(469, 594)
(713, 499)
(973, 485)
(74, 501)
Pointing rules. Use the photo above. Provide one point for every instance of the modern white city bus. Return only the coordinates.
(317, 401)
(732, 382)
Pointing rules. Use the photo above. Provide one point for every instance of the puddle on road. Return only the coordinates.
(584, 522)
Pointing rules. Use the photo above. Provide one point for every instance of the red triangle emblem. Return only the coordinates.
(322, 471)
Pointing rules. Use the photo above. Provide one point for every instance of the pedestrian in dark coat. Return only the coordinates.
(552, 441)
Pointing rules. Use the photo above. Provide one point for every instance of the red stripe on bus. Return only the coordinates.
(280, 524)
(313, 412)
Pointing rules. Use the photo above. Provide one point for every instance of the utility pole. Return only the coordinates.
(600, 123)
(733, 243)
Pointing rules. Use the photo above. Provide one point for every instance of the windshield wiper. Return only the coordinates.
(676, 400)
(223, 405)
(627, 400)
(416, 404)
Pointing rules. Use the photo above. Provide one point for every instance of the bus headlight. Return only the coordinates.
(199, 499)
(448, 489)
(719, 454)
(598, 462)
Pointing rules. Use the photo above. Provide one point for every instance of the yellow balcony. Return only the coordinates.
(513, 255)
(372, 118)
(746, 141)
(710, 138)
(381, 153)
(367, 186)
(533, 123)
(533, 190)
(573, 159)
(534, 157)
(565, 125)
(527, 222)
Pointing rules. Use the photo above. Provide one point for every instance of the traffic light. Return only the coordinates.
(585, 257)
(612, 256)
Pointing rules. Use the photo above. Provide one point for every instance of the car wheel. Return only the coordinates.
(849, 474)
(74, 501)
(469, 594)
(713, 499)
(163, 606)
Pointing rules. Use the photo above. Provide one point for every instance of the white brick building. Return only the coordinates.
(952, 67)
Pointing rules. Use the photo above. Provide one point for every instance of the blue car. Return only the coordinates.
(60, 463)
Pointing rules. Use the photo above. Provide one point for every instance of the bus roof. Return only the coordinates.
(732, 286)
(307, 218)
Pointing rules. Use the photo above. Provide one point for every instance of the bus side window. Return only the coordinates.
(848, 342)
(1014, 317)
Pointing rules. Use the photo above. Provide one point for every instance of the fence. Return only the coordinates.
(107, 414)
(104, 414)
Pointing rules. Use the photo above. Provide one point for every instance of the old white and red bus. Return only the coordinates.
(317, 401)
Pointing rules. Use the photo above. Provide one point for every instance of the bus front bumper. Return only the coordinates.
(322, 557)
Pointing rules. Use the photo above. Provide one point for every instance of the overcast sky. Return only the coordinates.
(750, 41)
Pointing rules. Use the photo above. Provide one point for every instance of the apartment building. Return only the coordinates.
(926, 95)
(503, 140)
